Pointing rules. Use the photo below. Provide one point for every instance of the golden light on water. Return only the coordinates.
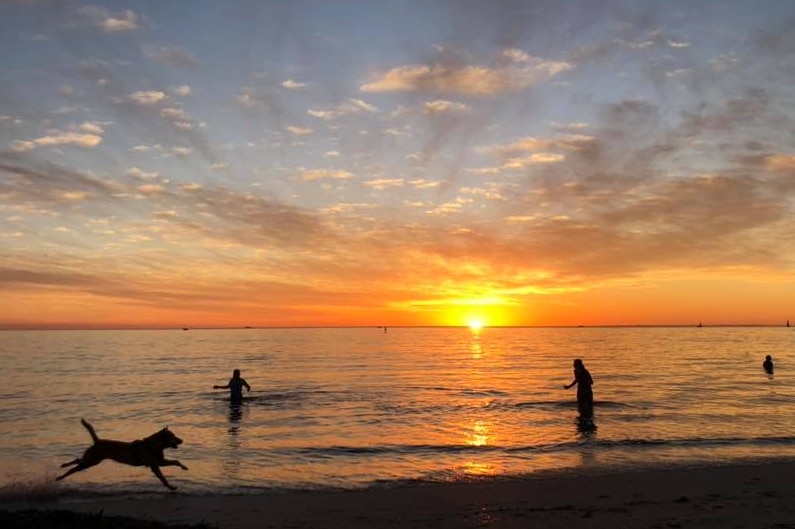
(472, 468)
(477, 350)
(480, 434)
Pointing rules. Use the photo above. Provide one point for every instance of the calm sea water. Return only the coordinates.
(357, 407)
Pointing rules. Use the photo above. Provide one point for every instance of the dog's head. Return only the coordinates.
(166, 438)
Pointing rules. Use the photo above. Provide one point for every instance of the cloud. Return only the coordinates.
(174, 113)
(349, 107)
(516, 55)
(536, 158)
(169, 55)
(564, 142)
(383, 183)
(263, 97)
(181, 151)
(146, 97)
(293, 85)
(183, 90)
(91, 127)
(246, 219)
(675, 44)
(468, 80)
(151, 189)
(140, 174)
(39, 182)
(57, 137)
(441, 106)
(325, 174)
(424, 184)
(299, 131)
(178, 118)
(780, 163)
(103, 19)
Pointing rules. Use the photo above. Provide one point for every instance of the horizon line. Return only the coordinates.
(298, 327)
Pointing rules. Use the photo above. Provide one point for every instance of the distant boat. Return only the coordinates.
(699, 325)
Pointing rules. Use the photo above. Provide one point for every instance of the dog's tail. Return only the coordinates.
(90, 430)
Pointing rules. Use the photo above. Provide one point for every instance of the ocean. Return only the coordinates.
(358, 407)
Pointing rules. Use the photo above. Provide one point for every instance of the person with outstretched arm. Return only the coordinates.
(583, 381)
(235, 387)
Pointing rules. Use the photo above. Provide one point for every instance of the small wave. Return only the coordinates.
(421, 449)
(556, 404)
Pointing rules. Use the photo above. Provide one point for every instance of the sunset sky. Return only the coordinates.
(396, 162)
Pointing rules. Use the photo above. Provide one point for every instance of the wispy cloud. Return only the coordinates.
(146, 97)
(349, 107)
(325, 174)
(85, 135)
(293, 85)
(169, 55)
(469, 80)
(101, 17)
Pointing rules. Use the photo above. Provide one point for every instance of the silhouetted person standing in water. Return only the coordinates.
(583, 381)
(767, 365)
(235, 387)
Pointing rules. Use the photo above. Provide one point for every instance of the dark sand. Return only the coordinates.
(747, 496)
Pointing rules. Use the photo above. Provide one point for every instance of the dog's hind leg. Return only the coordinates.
(81, 465)
(161, 477)
(70, 463)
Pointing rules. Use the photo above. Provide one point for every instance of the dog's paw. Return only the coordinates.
(172, 487)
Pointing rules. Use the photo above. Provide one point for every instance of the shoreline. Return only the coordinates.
(729, 495)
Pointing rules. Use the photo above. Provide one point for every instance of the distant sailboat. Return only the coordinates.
(699, 325)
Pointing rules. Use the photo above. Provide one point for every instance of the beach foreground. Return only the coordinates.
(746, 496)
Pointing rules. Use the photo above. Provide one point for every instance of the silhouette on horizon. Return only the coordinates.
(584, 382)
(235, 387)
(767, 365)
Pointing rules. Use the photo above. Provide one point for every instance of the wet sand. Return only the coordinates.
(747, 496)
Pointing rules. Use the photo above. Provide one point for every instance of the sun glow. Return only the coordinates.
(475, 324)
(477, 313)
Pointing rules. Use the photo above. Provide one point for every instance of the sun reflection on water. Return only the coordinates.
(472, 468)
(480, 434)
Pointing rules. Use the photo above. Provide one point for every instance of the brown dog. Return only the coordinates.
(144, 452)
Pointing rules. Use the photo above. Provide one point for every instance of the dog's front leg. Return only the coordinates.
(172, 463)
(161, 477)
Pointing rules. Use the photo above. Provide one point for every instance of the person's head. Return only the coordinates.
(768, 358)
(578, 364)
(236, 373)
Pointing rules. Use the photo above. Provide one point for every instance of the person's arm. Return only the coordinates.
(573, 382)
(248, 388)
(221, 387)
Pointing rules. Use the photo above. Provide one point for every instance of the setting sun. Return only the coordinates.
(476, 313)
(475, 324)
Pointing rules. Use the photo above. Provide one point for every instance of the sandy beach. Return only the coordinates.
(747, 496)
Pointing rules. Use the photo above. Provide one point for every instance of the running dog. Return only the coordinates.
(143, 452)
